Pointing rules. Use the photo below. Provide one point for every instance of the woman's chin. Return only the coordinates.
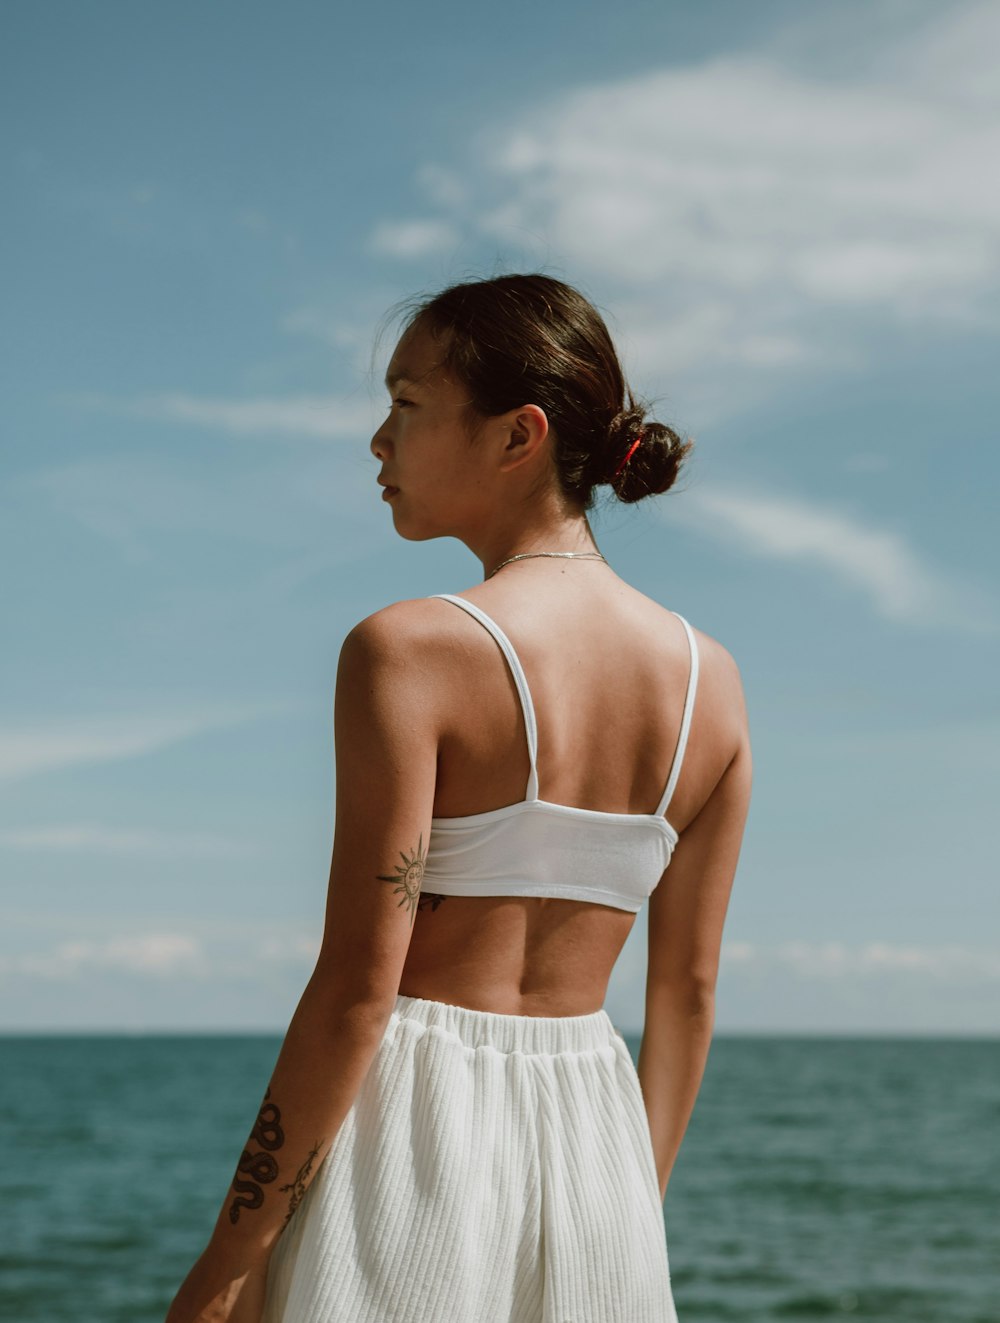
(412, 530)
(411, 526)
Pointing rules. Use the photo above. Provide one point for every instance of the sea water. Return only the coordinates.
(820, 1178)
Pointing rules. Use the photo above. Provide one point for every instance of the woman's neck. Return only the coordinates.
(568, 533)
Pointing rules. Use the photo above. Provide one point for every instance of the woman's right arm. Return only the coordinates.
(687, 912)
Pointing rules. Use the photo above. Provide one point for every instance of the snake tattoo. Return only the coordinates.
(261, 1168)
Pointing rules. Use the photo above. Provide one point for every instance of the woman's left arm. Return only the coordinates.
(386, 740)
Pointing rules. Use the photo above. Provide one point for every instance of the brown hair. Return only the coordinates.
(531, 339)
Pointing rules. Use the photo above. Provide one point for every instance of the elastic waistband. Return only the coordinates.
(511, 1033)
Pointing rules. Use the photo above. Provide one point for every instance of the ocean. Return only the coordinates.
(820, 1178)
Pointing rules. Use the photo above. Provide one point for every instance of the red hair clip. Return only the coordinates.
(631, 451)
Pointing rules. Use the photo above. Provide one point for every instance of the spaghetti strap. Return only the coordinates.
(682, 738)
(520, 680)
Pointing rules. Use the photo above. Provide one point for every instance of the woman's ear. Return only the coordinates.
(524, 431)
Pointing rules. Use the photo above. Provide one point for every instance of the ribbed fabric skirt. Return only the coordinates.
(492, 1169)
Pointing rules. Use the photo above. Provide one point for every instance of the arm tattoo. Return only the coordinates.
(260, 1167)
(408, 876)
(298, 1185)
(430, 898)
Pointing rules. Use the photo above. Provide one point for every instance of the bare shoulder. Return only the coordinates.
(721, 707)
(718, 665)
(398, 644)
(406, 620)
(721, 703)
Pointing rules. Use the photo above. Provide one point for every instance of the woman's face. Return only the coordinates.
(431, 473)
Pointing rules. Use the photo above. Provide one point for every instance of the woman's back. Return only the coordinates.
(518, 770)
(608, 670)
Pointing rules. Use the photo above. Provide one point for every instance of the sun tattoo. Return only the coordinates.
(408, 876)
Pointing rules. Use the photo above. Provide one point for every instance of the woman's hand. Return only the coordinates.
(213, 1292)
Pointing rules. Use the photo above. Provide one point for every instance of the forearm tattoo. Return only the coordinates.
(261, 1168)
(408, 877)
(298, 1186)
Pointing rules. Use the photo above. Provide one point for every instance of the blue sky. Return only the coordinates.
(789, 215)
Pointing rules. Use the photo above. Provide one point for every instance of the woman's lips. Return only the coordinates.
(388, 492)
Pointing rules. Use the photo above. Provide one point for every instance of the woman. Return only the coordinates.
(454, 1128)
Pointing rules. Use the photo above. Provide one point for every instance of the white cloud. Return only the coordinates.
(161, 954)
(297, 949)
(738, 207)
(90, 838)
(323, 325)
(53, 745)
(133, 498)
(234, 953)
(951, 963)
(880, 562)
(956, 54)
(413, 238)
(877, 984)
(442, 186)
(314, 416)
(743, 176)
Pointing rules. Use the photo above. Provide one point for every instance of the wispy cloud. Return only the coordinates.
(948, 963)
(879, 562)
(323, 325)
(739, 207)
(413, 238)
(54, 745)
(189, 952)
(312, 416)
(169, 953)
(90, 838)
(134, 498)
(145, 210)
(160, 954)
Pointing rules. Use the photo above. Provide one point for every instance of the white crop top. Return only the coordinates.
(537, 848)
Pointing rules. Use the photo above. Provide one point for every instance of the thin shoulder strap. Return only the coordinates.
(682, 738)
(517, 670)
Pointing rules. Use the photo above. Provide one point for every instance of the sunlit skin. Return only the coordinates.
(427, 723)
(498, 493)
(494, 491)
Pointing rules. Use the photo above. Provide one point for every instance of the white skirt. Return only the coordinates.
(492, 1169)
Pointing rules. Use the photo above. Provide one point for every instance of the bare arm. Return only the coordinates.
(386, 758)
(686, 916)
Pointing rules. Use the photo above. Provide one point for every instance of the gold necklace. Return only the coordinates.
(528, 555)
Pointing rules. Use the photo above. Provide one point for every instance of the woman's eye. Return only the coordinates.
(401, 402)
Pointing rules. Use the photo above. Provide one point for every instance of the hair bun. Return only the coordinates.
(647, 468)
(520, 338)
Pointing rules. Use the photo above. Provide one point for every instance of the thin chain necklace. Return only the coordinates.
(529, 555)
